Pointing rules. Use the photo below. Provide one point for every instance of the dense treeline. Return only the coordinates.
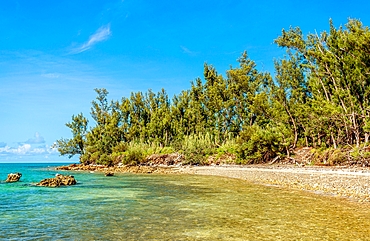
(318, 97)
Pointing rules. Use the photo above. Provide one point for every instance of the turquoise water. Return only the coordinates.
(169, 207)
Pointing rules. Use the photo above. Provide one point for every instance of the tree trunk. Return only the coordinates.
(356, 131)
(333, 140)
(294, 126)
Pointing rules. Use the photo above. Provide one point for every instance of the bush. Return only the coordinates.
(94, 157)
(196, 148)
(116, 157)
(104, 159)
(229, 146)
(258, 145)
(85, 159)
(120, 147)
(133, 156)
(330, 156)
(166, 150)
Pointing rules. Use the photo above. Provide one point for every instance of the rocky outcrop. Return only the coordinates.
(164, 159)
(14, 177)
(70, 167)
(118, 169)
(57, 181)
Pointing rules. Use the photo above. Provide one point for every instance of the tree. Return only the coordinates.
(106, 134)
(76, 145)
(336, 67)
(290, 94)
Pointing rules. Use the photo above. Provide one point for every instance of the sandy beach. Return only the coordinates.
(353, 183)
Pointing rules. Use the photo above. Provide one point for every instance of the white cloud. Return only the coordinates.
(37, 140)
(38, 151)
(21, 150)
(27, 149)
(32, 147)
(4, 149)
(103, 33)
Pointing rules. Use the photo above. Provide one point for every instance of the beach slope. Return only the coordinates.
(347, 182)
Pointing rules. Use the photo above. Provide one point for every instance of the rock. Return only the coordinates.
(109, 174)
(58, 180)
(14, 177)
(148, 168)
(164, 159)
(63, 168)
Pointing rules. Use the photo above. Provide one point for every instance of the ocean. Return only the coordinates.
(169, 207)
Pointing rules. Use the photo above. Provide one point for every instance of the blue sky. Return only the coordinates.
(54, 53)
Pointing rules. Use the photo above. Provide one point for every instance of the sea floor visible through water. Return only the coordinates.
(169, 207)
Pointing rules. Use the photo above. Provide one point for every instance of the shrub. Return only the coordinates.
(133, 156)
(258, 145)
(330, 156)
(104, 159)
(230, 146)
(120, 147)
(196, 148)
(94, 157)
(166, 150)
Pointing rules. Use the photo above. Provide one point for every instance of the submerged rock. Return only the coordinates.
(57, 181)
(14, 177)
(109, 174)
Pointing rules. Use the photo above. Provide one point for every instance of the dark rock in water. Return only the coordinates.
(57, 181)
(14, 177)
(109, 174)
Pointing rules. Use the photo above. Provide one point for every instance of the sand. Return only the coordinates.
(353, 183)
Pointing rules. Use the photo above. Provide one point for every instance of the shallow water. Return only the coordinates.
(169, 207)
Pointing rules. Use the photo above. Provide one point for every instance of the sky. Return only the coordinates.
(53, 54)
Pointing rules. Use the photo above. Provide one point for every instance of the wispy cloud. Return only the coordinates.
(51, 75)
(103, 33)
(185, 50)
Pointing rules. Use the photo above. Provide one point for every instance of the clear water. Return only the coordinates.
(169, 207)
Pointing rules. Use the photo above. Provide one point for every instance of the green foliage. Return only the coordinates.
(329, 156)
(196, 148)
(105, 159)
(135, 153)
(75, 145)
(165, 150)
(229, 146)
(120, 147)
(335, 67)
(257, 145)
(358, 154)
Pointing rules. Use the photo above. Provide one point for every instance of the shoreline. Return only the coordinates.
(346, 182)
(352, 183)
